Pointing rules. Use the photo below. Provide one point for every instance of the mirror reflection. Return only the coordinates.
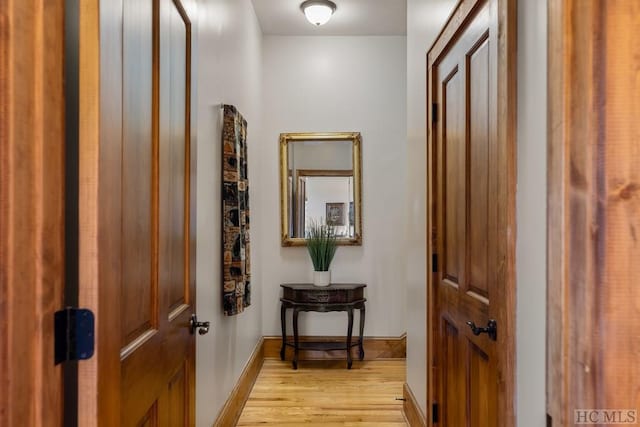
(322, 185)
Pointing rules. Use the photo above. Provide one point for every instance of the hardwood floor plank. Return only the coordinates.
(326, 393)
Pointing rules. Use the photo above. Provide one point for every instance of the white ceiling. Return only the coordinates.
(352, 18)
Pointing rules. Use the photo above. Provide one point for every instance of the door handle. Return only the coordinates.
(491, 329)
(202, 327)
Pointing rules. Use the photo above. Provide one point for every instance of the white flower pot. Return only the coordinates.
(321, 278)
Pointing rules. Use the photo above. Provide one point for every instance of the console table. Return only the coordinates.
(335, 297)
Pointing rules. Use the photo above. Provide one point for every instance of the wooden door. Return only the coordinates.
(137, 203)
(473, 372)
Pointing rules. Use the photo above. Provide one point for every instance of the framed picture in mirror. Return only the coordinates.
(335, 214)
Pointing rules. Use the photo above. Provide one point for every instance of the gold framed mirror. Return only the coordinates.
(321, 181)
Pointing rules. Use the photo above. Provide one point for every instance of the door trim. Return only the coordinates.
(32, 174)
(507, 69)
(593, 212)
(97, 251)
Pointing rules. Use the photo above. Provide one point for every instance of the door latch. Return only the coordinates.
(201, 327)
(491, 329)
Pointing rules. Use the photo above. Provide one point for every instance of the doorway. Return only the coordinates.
(471, 193)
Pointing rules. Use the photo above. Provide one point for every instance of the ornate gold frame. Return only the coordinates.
(356, 140)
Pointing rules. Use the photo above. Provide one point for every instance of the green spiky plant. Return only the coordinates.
(321, 244)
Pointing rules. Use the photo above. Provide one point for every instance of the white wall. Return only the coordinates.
(531, 211)
(328, 84)
(229, 71)
(425, 18)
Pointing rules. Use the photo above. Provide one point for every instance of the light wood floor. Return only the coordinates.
(326, 393)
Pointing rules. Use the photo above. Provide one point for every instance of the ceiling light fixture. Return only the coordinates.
(318, 12)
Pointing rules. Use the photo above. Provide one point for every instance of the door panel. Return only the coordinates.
(466, 166)
(138, 287)
(477, 65)
(479, 377)
(150, 419)
(452, 376)
(454, 157)
(173, 152)
(178, 396)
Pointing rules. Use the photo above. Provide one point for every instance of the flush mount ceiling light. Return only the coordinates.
(318, 12)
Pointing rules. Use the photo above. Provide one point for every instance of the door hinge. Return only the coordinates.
(434, 412)
(74, 334)
(434, 263)
(434, 113)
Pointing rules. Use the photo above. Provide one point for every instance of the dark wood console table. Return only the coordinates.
(335, 297)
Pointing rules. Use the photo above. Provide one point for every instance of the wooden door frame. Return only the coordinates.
(593, 208)
(507, 69)
(32, 188)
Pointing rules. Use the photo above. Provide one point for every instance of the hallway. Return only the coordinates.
(325, 393)
(111, 203)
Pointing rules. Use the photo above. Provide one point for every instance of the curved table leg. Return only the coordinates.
(361, 332)
(349, 334)
(295, 338)
(283, 325)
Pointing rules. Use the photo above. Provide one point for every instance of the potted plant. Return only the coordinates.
(322, 245)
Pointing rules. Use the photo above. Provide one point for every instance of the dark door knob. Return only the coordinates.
(491, 329)
(202, 327)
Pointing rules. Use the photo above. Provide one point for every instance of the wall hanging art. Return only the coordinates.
(236, 260)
